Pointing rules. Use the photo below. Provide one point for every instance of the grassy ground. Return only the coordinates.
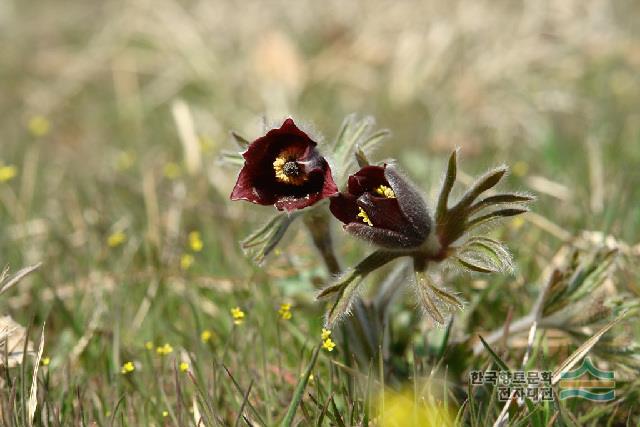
(99, 100)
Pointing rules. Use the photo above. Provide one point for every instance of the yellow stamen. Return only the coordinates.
(285, 176)
(385, 191)
(365, 218)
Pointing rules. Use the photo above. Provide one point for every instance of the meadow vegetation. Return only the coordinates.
(129, 299)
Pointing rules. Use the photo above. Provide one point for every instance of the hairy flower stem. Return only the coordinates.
(317, 222)
(355, 328)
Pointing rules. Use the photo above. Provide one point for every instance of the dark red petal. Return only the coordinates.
(245, 190)
(291, 203)
(344, 207)
(289, 127)
(383, 212)
(367, 179)
(411, 202)
(257, 183)
(329, 188)
(380, 236)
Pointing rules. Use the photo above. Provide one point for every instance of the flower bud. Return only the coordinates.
(383, 207)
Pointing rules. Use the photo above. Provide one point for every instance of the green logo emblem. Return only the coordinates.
(599, 389)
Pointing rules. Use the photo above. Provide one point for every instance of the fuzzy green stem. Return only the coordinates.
(317, 223)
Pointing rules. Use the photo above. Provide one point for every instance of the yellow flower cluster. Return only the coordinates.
(206, 335)
(7, 173)
(195, 245)
(285, 311)
(164, 349)
(195, 241)
(327, 342)
(116, 239)
(128, 367)
(238, 315)
(186, 261)
(184, 367)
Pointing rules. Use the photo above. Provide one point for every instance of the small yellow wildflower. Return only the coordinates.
(328, 344)
(311, 377)
(385, 191)
(45, 361)
(148, 345)
(520, 168)
(285, 311)
(206, 335)
(128, 367)
(165, 414)
(326, 333)
(365, 218)
(125, 160)
(238, 315)
(7, 173)
(186, 261)
(184, 367)
(172, 170)
(195, 241)
(116, 239)
(164, 349)
(38, 126)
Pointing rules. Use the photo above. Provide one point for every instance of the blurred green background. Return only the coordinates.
(101, 100)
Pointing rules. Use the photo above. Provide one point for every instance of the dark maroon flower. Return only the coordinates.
(284, 169)
(383, 207)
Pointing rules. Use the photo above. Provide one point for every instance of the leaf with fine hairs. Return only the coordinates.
(343, 303)
(261, 242)
(474, 261)
(482, 184)
(447, 185)
(434, 299)
(338, 285)
(491, 251)
(500, 199)
(240, 140)
(231, 158)
(502, 213)
(355, 134)
(361, 157)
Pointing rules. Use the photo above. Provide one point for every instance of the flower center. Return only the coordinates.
(365, 218)
(288, 170)
(385, 191)
(291, 169)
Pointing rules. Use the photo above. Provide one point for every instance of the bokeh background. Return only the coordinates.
(101, 100)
